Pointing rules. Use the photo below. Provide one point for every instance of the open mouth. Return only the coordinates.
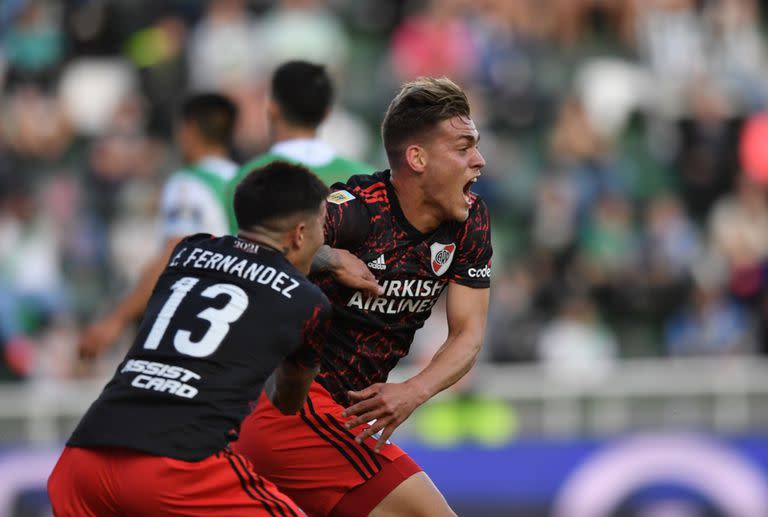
(468, 190)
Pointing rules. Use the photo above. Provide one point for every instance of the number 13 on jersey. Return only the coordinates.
(219, 319)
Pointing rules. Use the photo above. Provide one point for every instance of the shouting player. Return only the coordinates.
(227, 315)
(194, 200)
(420, 230)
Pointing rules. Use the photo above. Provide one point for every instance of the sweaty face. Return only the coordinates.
(453, 164)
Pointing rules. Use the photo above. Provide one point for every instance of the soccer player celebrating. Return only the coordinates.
(420, 230)
(228, 316)
(195, 199)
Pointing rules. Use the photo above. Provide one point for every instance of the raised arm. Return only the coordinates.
(391, 404)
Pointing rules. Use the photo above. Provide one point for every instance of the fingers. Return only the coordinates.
(359, 408)
(372, 288)
(384, 438)
(86, 346)
(366, 417)
(92, 341)
(377, 426)
(364, 394)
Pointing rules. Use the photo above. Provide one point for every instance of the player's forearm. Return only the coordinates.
(325, 260)
(133, 304)
(451, 362)
(288, 386)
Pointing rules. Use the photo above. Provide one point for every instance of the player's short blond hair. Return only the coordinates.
(417, 108)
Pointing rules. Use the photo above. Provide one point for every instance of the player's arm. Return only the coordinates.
(101, 334)
(347, 223)
(391, 404)
(347, 269)
(288, 386)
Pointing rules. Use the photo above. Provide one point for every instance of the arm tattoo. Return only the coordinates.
(324, 261)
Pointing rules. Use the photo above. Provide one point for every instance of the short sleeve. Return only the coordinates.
(188, 207)
(472, 264)
(314, 331)
(346, 221)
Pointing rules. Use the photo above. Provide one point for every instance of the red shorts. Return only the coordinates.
(315, 460)
(111, 481)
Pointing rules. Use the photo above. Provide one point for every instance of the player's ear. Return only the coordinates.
(416, 156)
(273, 109)
(297, 237)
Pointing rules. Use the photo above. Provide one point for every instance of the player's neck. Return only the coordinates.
(420, 215)
(205, 151)
(285, 132)
(263, 239)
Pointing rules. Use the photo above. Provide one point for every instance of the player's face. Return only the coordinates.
(453, 165)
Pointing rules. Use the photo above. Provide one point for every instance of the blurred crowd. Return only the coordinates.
(626, 165)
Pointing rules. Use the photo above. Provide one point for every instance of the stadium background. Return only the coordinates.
(623, 372)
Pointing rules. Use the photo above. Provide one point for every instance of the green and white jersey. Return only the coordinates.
(195, 199)
(316, 155)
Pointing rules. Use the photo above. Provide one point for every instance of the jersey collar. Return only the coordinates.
(309, 151)
(397, 211)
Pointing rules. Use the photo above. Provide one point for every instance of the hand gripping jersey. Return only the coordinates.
(369, 335)
(223, 315)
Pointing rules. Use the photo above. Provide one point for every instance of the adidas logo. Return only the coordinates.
(378, 263)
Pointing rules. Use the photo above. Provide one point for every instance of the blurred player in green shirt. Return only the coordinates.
(301, 98)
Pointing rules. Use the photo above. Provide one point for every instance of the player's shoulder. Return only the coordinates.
(364, 189)
(355, 167)
(259, 161)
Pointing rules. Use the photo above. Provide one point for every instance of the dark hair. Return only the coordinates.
(277, 190)
(417, 108)
(213, 114)
(303, 91)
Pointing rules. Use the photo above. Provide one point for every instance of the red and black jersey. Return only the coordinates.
(223, 315)
(369, 335)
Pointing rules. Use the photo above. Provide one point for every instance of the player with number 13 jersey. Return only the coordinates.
(229, 317)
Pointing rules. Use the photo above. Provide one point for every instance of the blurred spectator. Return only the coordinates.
(554, 218)
(711, 324)
(585, 158)
(435, 41)
(226, 49)
(34, 125)
(671, 242)
(228, 53)
(304, 29)
(607, 244)
(739, 227)
(34, 44)
(671, 40)
(514, 317)
(31, 283)
(707, 156)
(509, 58)
(576, 347)
(739, 60)
(122, 153)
